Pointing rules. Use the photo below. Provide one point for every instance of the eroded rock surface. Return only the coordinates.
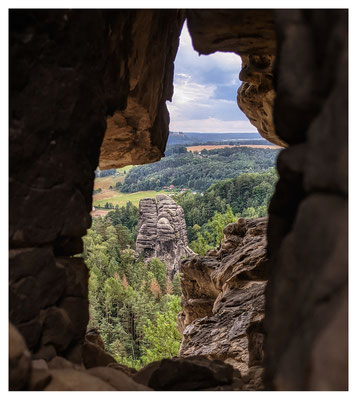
(19, 360)
(76, 77)
(256, 95)
(306, 308)
(138, 134)
(70, 75)
(62, 375)
(191, 373)
(223, 300)
(162, 232)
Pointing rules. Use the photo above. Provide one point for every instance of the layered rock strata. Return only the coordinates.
(162, 232)
(223, 299)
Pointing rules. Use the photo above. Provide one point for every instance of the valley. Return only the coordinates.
(135, 247)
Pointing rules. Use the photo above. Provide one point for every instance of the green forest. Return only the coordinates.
(246, 196)
(198, 171)
(134, 304)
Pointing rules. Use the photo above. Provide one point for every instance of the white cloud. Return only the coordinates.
(221, 60)
(188, 91)
(212, 125)
(205, 90)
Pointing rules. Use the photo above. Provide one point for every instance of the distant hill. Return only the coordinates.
(198, 172)
(199, 138)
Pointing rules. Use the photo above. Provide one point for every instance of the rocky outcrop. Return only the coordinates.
(256, 95)
(19, 360)
(191, 373)
(241, 31)
(162, 232)
(60, 374)
(223, 300)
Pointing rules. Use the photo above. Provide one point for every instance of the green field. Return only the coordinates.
(114, 196)
(111, 180)
(117, 198)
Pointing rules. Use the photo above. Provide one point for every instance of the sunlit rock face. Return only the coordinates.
(162, 232)
(138, 133)
(251, 34)
(256, 95)
(223, 301)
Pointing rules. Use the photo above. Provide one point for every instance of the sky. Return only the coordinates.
(205, 92)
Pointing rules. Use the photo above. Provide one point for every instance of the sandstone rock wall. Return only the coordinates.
(307, 232)
(60, 374)
(71, 73)
(162, 232)
(256, 95)
(306, 312)
(223, 301)
(138, 133)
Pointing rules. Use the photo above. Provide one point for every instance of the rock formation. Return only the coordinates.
(256, 95)
(138, 133)
(78, 76)
(223, 300)
(307, 232)
(162, 232)
(59, 374)
(190, 373)
(74, 75)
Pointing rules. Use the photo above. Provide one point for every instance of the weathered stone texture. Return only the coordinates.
(59, 374)
(223, 299)
(307, 234)
(191, 373)
(19, 360)
(162, 232)
(241, 31)
(74, 75)
(138, 134)
(78, 76)
(256, 95)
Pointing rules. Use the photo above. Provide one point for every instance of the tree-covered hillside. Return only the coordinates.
(133, 305)
(248, 195)
(198, 171)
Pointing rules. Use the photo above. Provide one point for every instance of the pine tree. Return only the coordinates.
(159, 270)
(161, 337)
(176, 285)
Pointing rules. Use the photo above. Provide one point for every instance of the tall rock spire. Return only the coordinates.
(162, 232)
